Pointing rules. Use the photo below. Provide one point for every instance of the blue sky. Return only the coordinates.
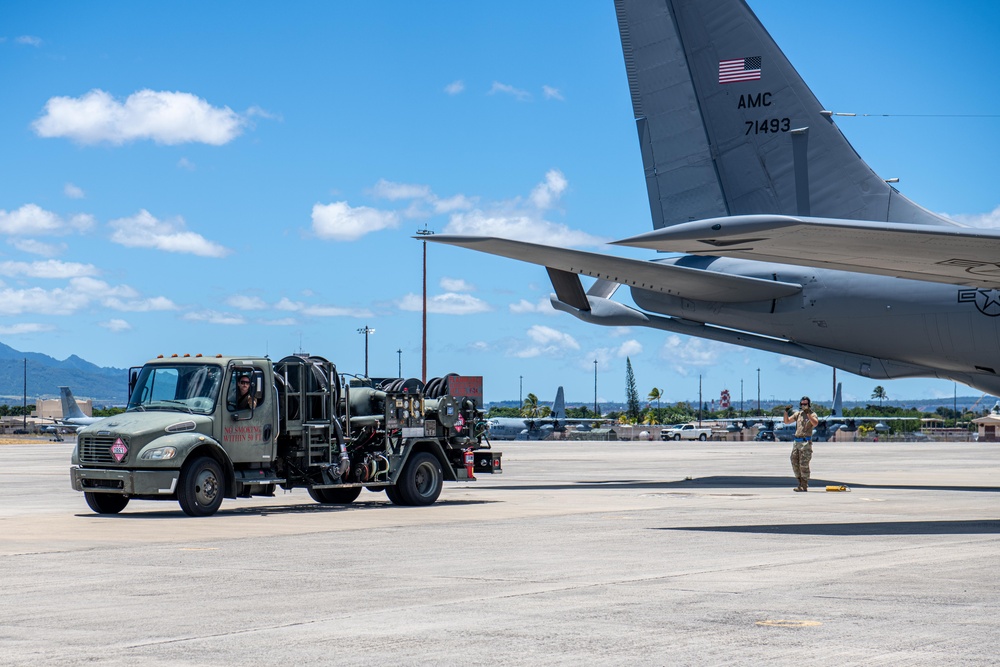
(244, 178)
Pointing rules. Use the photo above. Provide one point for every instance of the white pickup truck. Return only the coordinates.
(686, 432)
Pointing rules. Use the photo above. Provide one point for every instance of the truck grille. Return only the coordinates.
(97, 450)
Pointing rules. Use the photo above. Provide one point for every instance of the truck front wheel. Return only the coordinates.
(677, 436)
(421, 481)
(106, 503)
(201, 487)
(335, 496)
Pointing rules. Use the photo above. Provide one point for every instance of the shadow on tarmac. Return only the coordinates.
(232, 509)
(967, 527)
(736, 481)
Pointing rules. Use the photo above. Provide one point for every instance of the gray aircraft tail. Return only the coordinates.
(69, 407)
(838, 403)
(559, 405)
(728, 127)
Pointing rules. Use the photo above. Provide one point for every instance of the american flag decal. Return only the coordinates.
(739, 69)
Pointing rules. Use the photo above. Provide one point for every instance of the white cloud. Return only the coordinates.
(542, 306)
(160, 116)
(280, 322)
(24, 328)
(335, 311)
(50, 268)
(73, 192)
(546, 341)
(521, 227)
(140, 305)
(545, 194)
(445, 304)
(506, 89)
(797, 364)
(456, 203)
(116, 325)
(394, 191)
(242, 302)
(551, 93)
(33, 247)
(79, 294)
(514, 220)
(287, 304)
(214, 317)
(456, 285)
(28, 40)
(991, 219)
(145, 231)
(33, 220)
(341, 222)
(455, 87)
(628, 348)
(185, 163)
(685, 353)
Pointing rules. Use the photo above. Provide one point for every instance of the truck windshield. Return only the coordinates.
(184, 387)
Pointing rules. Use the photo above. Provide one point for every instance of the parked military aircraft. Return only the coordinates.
(72, 419)
(534, 428)
(829, 424)
(792, 243)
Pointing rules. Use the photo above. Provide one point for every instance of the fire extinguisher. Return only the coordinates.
(470, 459)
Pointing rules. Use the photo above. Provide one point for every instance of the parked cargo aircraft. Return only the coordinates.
(534, 428)
(792, 243)
(828, 425)
(73, 418)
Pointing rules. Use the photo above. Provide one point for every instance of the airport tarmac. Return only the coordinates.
(621, 553)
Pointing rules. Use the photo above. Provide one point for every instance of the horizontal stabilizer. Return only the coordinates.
(676, 280)
(953, 255)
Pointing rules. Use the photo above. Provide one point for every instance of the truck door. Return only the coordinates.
(248, 416)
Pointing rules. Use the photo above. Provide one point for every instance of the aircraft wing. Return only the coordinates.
(677, 280)
(944, 254)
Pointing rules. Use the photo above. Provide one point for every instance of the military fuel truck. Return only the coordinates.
(199, 429)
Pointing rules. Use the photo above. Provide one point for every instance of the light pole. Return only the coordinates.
(423, 354)
(399, 355)
(520, 392)
(366, 330)
(758, 392)
(596, 413)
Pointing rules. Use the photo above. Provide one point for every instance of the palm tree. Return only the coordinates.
(654, 395)
(530, 407)
(880, 394)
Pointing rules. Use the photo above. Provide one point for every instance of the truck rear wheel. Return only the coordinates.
(393, 494)
(201, 487)
(105, 503)
(421, 481)
(335, 496)
(703, 437)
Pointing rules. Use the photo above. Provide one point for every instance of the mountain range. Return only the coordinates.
(105, 386)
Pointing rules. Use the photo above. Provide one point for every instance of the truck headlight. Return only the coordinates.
(159, 454)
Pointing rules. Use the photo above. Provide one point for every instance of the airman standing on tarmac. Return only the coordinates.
(805, 421)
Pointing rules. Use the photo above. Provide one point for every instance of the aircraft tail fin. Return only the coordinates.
(728, 127)
(69, 407)
(559, 405)
(838, 402)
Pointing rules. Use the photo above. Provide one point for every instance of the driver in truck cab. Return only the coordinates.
(242, 399)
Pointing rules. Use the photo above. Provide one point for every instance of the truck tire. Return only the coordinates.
(703, 437)
(106, 503)
(421, 481)
(201, 487)
(393, 494)
(335, 496)
(677, 436)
